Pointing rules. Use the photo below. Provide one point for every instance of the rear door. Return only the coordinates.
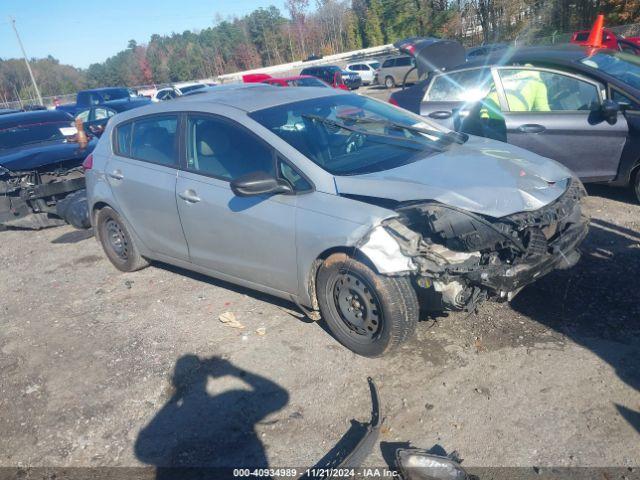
(250, 238)
(550, 113)
(142, 174)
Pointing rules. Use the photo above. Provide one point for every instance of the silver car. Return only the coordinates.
(350, 207)
(393, 71)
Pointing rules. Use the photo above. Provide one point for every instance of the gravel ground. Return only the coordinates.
(101, 368)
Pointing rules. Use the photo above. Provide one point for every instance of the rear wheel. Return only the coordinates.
(368, 313)
(389, 81)
(117, 242)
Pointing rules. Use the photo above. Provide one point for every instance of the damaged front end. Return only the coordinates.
(29, 198)
(465, 257)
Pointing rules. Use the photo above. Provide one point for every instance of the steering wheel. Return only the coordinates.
(354, 142)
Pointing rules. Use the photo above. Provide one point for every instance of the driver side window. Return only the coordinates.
(530, 90)
(224, 150)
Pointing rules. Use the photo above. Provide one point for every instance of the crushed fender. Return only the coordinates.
(466, 257)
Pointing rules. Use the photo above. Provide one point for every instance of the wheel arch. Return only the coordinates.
(99, 205)
(352, 252)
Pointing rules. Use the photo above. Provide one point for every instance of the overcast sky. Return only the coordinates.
(81, 32)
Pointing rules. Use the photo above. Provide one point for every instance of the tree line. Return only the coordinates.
(269, 36)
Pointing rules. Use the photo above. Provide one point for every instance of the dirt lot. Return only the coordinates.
(100, 368)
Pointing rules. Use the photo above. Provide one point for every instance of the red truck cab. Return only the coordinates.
(600, 37)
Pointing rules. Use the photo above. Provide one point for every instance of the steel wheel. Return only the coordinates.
(357, 305)
(117, 239)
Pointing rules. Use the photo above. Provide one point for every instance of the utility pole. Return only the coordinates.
(26, 60)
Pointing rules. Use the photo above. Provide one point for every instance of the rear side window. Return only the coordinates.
(388, 63)
(151, 139)
(403, 62)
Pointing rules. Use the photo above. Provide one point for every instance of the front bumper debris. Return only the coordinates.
(28, 199)
(467, 258)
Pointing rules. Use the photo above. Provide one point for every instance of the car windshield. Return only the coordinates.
(21, 135)
(352, 134)
(375, 65)
(622, 66)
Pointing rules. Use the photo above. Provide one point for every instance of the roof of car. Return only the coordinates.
(248, 97)
(565, 54)
(30, 118)
(251, 98)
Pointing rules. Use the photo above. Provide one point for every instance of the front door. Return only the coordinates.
(454, 100)
(555, 115)
(250, 238)
(142, 175)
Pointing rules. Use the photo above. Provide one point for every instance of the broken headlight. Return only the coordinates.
(458, 229)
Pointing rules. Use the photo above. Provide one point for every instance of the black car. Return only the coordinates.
(334, 76)
(484, 50)
(573, 104)
(40, 167)
(352, 80)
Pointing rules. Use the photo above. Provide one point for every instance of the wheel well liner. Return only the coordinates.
(352, 252)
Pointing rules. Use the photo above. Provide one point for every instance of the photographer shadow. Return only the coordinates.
(197, 434)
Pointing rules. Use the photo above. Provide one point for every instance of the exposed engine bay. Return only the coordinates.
(29, 198)
(467, 257)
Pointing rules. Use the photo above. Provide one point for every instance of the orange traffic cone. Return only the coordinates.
(595, 37)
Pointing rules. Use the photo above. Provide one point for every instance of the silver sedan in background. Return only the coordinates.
(350, 207)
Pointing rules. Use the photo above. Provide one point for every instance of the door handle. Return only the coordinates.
(189, 196)
(531, 128)
(441, 114)
(117, 174)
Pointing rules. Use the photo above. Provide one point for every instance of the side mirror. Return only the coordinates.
(259, 183)
(609, 110)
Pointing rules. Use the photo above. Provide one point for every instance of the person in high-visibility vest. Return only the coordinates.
(525, 92)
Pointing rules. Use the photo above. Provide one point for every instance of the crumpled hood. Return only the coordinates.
(482, 175)
(31, 157)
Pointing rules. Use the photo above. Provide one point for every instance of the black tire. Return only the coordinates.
(117, 242)
(74, 209)
(635, 184)
(376, 314)
(389, 82)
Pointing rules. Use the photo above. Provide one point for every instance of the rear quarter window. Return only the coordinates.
(122, 140)
(150, 139)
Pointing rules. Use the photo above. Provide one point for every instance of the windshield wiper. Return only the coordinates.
(452, 136)
(382, 138)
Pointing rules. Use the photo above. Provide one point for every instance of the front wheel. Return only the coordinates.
(368, 313)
